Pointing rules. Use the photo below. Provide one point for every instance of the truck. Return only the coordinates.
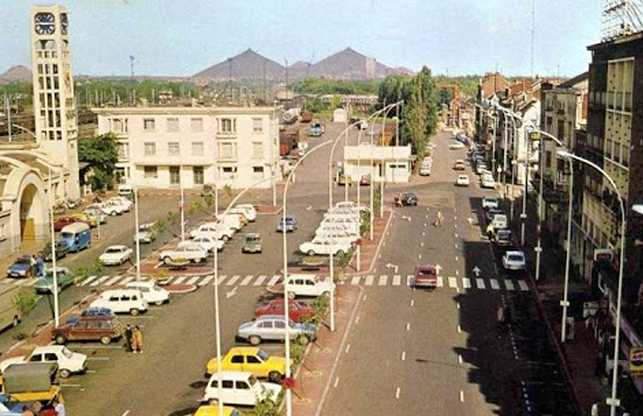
(316, 129)
(32, 384)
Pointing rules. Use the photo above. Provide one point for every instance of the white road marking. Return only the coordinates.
(459, 329)
(421, 243)
(126, 413)
(206, 280)
(480, 283)
(466, 283)
(193, 280)
(456, 246)
(457, 258)
(423, 234)
(357, 319)
(233, 280)
(456, 235)
(440, 281)
(365, 296)
(494, 284)
(459, 358)
(403, 355)
(348, 348)
(260, 280)
(453, 282)
(336, 382)
(220, 280)
(88, 280)
(461, 396)
(412, 302)
(369, 280)
(179, 279)
(419, 257)
(457, 272)
(32, 282)
(128, 279)
(100, 280)
(397, 279)
(523, 285)
(383, 279)
(112, 281)
(355, 280)
(457, 305)
(408, 326)
(274, 279)
(409, 279)
(509, 284)
(397, 393)
(246, 280)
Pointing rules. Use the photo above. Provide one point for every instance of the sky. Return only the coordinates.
(183, 37)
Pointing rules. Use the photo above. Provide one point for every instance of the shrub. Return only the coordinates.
(24, 301)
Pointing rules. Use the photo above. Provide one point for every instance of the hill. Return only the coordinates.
(18, 73)
(248, 64)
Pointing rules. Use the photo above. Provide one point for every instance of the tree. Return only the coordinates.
(420, 111)
(101, 154)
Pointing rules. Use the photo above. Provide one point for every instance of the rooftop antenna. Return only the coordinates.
(621, 18)
(132, 59)
(533, 19)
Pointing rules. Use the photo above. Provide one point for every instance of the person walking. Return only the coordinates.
(490, 230)
(137, 340)
(127, 337)
(59, 407)
(594, 410)
(438, 218)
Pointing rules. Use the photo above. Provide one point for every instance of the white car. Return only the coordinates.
(69, 362)
(241, 388)
(324, 229)
(115, 255)
(152, 293)
(351, 206)
(341, 236)
(192, 252)
(514, 260)
(209, 243)
(486, 181)
(146, 233)
(456, 146)
(249, 211)
(490, 202)
(213, 229)
(348, 223)
(124, 202)
(107, 209)
(463, 180)
(323, 246)
(308, 285)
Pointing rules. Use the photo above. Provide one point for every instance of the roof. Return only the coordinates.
(575, 80)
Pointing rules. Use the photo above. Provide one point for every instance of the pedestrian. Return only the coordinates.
(438, 218)
(127, 337)
(594, 411)
(40, 267)
(137, 340)
(59, 407)
(500, 316)
(26, 411)
(490, 230)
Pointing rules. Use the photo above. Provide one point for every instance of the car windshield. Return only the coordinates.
(263, 356)
(113, 250)
(426, 272)
(515, 257)
(67, 353)
(67, 235)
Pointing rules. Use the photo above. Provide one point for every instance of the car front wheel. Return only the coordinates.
(61, 340)
(105, 340)
(303, 340)
(254, 340)
(64, 373)
(134, 312)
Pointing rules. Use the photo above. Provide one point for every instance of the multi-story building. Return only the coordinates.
(166, 147)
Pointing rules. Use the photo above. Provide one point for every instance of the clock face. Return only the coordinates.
(44, 24)
(63, 23)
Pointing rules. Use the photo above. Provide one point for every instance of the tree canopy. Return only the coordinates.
(101, 153)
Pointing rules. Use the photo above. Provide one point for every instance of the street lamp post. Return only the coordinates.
(138, 240)
(53, 254)
(612, 401)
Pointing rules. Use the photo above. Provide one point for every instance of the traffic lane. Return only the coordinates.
(371, 368)
(179, 340)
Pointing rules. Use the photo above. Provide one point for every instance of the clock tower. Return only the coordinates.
(53, 93)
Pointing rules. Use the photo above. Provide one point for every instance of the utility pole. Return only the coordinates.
(132, 59)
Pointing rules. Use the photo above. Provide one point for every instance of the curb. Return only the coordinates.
(379, 246)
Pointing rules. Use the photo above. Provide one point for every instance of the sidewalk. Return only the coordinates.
(369, 249)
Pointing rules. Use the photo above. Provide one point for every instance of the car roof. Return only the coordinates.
(244, 350)
(271, 317)
(116, 246)
(425, 267)
(520, 253)
(234, 375)
(253, 235)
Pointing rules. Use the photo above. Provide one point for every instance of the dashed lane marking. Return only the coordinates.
(494, 284)
(89, 280)
(274, 280)
(480, 283)
(509, 284)
(206, 280)
(453, 282)
(100, 280)
(466, 283)
(355, 280)
(409, 279)
(397, 280)
(220, 280)
(440, 281)
(128, 279)
(523, 285)
(193, 280)
(179, 279)
(369, 280)
(112, 280)
(382, 281)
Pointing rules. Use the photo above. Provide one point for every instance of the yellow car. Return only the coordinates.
(92, 221)
(214, 411)
(253, 360)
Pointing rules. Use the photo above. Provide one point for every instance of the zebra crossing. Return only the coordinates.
(378, 281)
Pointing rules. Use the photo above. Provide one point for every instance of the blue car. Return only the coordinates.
(23, 267)
(291, 224)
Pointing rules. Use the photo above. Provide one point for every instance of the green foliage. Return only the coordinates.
(208, 200)
(267, 406)
(160, 225)
(227, 191)
(420, 112)
(24, 301)
(96, 267)
(377, 199)
(445, 96)
(82, 273)
(321, 305)
(323, 86)
(101, 153)
(315, 106)
(297, 352)
(394, 88)
(365, 222)
(195, 205)
(467, 84)
(336, 102)
(173, 217)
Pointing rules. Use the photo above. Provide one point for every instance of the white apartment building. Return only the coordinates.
(169, 147)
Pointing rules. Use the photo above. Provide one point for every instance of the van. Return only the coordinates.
(499, 221)
(127, 191)
(213, 229)
(121, 301)
(230, 221)
(239, 387)
(77, 236)
(425, 170)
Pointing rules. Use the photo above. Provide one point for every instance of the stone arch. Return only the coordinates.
(25, 191)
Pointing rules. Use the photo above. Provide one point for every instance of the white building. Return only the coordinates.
(166, 147)
(382, 163)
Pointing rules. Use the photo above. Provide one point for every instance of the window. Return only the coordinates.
(257, 172)
(196, 124)
(150, 148)
(51, 357)
(173, 148)
(257, 125)
(242, 385)
(36, 358)
(227, 384)
(119, 125)
(227, 125)
(548, 159)
(197, 149)
(227, 150)
(280, 325)
(257, 150)
(227, 172)
(148, 124)
(251, 359)
(265, 325)
(175, 175)
(150, 172)
(123, 150)
(172, 124)
(237, 359)
(197, 172)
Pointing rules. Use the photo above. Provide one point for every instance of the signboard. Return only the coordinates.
(636, 362)
(604, 254)
(534, 136)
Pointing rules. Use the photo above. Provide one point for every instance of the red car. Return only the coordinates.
(296, 310)
(62, 222)
(425, 276)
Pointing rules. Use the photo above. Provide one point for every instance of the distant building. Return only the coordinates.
(390, 164)
(169, 147)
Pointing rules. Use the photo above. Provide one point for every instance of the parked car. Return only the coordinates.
(425, 276)
(64, 278)
(152, 293)
(24, 266)
(240, 388)
(514, 260)
(291, 223)
(503, 237)
(351, 205)
(296, 310)
(490, 202)
(115, 255)
(319, 246)
(249, 211)
(126, 191)
(486, 181)
(456, 146)
(326, 229)
(406, 198)
(213, 410)
(213, 229)
(340, 236)
(273, 328)
(191, 252)
(69, 362)
(252, 243)
(125, 202)
(349, 223)
(480, 167)
(105, 208)
(463, 180)
(62, 222)
(251, 359)
(146, 233)
(77, 236)
(208, 243)
(459, 165)
(61, 251)
(121, 301)
(97, 214)
(306, 285)
(490, 213)
(242, 216)
(103, 328)
(91, 220)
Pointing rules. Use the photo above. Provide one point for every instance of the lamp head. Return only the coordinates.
(638, 208)
(563, 153)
